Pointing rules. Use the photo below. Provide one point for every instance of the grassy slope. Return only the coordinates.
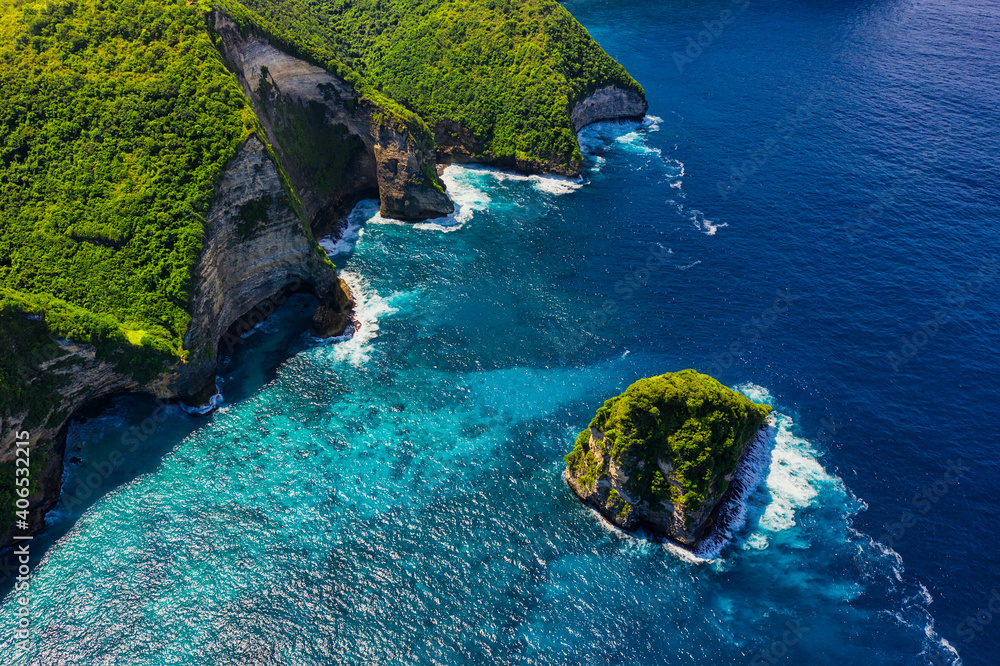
(506, 70)
(684, 417)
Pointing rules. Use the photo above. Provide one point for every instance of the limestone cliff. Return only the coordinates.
(455, 145)
(256, 247)
(336, 144)
(608, 103)
(80, 377)
(662, 454)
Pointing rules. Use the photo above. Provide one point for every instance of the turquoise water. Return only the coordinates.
(397, 497)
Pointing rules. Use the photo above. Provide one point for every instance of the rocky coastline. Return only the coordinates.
(664, 455)
(268, 209)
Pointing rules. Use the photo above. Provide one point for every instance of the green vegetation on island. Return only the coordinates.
(676, 436)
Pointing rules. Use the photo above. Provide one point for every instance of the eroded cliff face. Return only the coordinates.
(606, 489)
(608, 103)
(80, 378)
(337, 146)
(256, 248)
(456, 145)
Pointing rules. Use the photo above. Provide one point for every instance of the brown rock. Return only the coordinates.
(336, 145)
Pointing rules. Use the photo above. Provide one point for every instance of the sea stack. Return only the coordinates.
(661, 454)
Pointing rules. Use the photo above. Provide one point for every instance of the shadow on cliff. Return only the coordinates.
(113, 441)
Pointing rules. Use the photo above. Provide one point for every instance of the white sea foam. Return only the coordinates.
(788, 468)
(684, 554)
(468, 199)
(750, 470)
(627, 136)
(701, 222)
(343, 241)
(548, 184)
(635, 142)
(369, 306)
(697, 218)
(213, 403)
(795, 476)
(691, 265)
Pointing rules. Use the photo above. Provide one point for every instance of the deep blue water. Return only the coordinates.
(810, 214)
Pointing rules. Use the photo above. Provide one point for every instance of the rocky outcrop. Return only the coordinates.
(662, 455)
(256, 249)
(609, 494)
(81, 378)
(456, 145)
(608, 103)
(337, 145)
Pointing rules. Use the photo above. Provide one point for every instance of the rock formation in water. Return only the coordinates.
(608, 103)
(316, 138)
(662, 454)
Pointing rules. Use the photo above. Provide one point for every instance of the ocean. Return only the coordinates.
(809, 214)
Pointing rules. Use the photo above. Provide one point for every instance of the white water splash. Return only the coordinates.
(468, 200)
(697, 218)
(344, 240)
(213, 403)
(627, 136)
(555, 185)
(749, 472)
(369, 306)
(701, 222)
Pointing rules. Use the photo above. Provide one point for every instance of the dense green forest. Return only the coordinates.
(117, 119)
(686, 418)
(116, 122)
(507, 70)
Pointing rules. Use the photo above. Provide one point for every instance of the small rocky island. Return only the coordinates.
(662, 454)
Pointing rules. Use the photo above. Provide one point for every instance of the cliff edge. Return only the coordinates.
(661, 454)
(337, 145)
(256, 247)
(184, 170)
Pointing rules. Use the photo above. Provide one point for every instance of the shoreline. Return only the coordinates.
(728, 516)
(51, 481)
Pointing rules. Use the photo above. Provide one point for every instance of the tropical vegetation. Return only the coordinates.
(118, 117)
(687, 420)
(506, 71)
